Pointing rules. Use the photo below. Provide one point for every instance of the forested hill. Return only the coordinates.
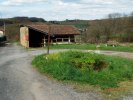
(16, 20)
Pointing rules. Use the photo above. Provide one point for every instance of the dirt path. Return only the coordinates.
(19, 80)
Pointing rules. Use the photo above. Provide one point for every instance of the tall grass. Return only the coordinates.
(80, 67)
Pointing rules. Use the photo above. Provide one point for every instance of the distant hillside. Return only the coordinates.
(116, 27)
(12, 25)
(77, 23)
(15, 20)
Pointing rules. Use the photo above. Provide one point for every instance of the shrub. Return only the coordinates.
(91, 61)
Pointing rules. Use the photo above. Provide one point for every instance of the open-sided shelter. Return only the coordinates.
(36, 35)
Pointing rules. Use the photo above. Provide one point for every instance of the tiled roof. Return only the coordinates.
(55, 29)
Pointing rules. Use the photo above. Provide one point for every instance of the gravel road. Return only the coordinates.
(20, 81)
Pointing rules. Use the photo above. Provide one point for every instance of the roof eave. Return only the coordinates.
(37, 30)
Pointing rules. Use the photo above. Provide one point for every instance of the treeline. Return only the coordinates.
(117, 27)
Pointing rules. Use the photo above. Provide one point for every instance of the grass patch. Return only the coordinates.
(94, 69)
(92, 47)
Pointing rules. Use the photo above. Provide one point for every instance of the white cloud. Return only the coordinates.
(20, 2)
(65, 9)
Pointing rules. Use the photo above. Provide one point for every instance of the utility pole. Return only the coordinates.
(4, 27)
(49, 32)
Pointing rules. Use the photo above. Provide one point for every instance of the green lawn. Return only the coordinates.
(92, 47)
(90, 68)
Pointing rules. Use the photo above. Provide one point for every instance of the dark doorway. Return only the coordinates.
(36, 39)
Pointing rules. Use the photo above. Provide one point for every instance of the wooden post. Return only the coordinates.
(56, 40)
(44, 42)
(69, 40)
(75, 39)
(49, 39)
(62, 40)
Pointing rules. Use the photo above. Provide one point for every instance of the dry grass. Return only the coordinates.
(124, 89)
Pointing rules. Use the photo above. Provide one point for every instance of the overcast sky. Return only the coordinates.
(64, 9)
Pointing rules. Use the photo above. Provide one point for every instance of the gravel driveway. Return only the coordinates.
(20, 81)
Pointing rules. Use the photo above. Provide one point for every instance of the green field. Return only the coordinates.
(92, 47)
(90, 68)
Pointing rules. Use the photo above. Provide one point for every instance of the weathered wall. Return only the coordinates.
(24, 36)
